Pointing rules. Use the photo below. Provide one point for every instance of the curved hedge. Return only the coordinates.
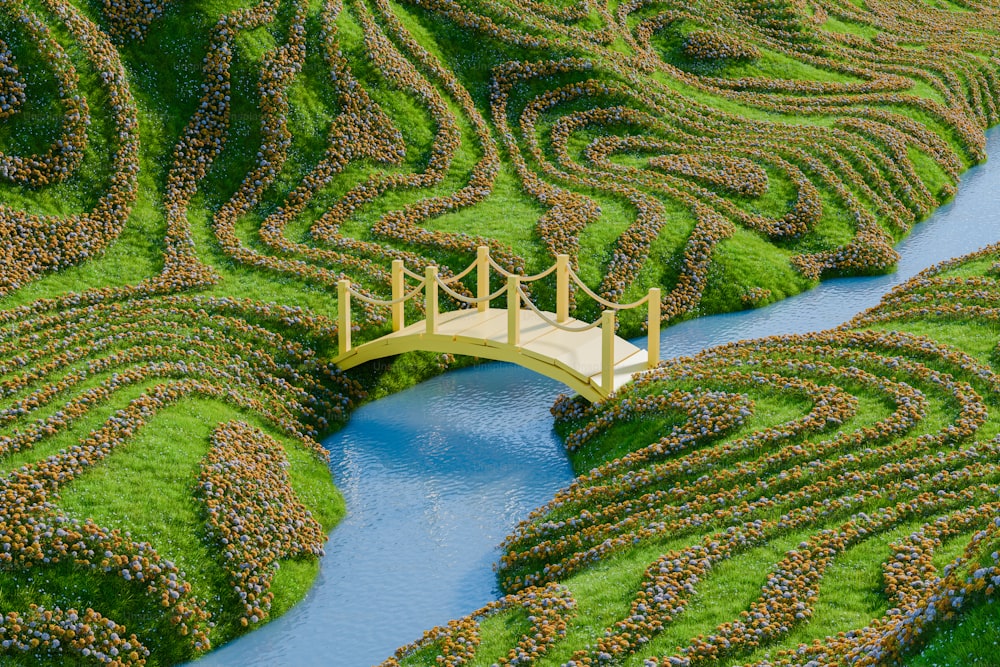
(182, 183)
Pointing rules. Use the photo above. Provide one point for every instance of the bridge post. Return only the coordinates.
(513, 310)
(431, 297)
(653, 328)
(483, 277)
(562, 288)
(344, 315)
(398, 309)
(608, 351)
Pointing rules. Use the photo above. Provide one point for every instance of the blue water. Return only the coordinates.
(435, 476)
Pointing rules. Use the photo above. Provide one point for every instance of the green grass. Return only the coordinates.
(147, 488)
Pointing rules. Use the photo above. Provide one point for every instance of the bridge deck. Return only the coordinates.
(571, 357)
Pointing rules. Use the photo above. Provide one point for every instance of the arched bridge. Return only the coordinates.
(587, 357)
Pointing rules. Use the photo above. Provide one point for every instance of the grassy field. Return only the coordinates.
(182, 185)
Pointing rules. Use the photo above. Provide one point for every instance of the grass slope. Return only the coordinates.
(138, 316)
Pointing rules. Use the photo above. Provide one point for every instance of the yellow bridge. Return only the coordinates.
(587, 357)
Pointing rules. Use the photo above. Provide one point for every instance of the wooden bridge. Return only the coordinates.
(587, 357)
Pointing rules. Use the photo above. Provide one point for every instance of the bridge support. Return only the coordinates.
(344, 315)
(483, 278)
(513, 310)
(398, 306)
(653, 328)
(562, 288)
(608, 351)
(431, 298)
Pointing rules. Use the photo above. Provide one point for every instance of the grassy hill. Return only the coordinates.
(182, 183)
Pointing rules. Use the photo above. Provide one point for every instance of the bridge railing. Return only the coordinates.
(431, 283)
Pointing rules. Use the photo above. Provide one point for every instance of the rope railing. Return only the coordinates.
(524, 279)
(430, 282)
(385, 302)
(468, 299)
(457, 277)
(525, 300)
(601, 300)
(412, 274)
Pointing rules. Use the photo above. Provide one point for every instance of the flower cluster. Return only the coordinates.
(46, 633)
(755, 296)
(732, 174)
(778, 17)
(253, 513)
(32, 244)
(444, 361)
(66, 152)
(712, 45)
(576, 11)
(548, 608)
(870, 251)
(11, 85)
(130, 19)
(708, 414)
(570, 408)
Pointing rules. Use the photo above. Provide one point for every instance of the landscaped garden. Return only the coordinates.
(184, 182)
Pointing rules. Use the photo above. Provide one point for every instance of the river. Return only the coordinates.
(435, 476)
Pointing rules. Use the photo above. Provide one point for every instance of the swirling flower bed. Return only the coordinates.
(253, 513)
(171, 349)
(182, 184)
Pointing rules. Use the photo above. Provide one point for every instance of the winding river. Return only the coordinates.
(435, 476)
